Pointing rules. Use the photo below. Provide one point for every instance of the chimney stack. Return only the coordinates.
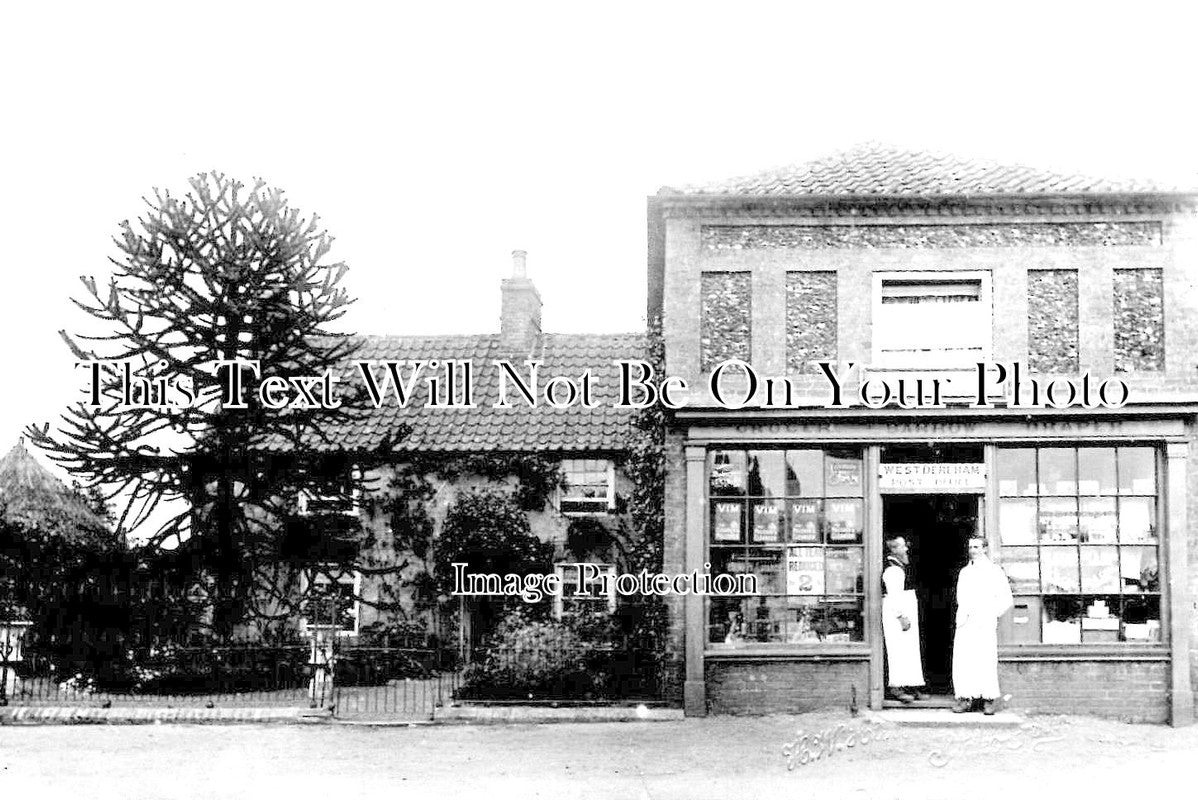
(520, 313)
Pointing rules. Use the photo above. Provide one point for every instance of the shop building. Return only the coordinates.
(912, 266)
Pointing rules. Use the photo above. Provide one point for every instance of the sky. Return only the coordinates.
(433, 140)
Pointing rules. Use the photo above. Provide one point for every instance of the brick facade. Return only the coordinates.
(810, 319)
(1074, 286)
(784, 687)
(1052, 322)
(1131, 691)
(1139, 320)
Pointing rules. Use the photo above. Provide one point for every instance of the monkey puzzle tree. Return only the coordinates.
(226, 273)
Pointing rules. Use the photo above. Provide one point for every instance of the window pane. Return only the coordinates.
(1137, 519)
(1096, 470)
(726, 620)
(1097, 520)
(1139, 569)
(804, 473)
(845, 570)
(1058, 569)
(842, 473)
(728, 472)
(1058, 519)
(1142, 619)
(1100, 623)
(727, 520)
(1022, 565)
(767, 622)
(767, 473)
(1016, 471)
(1017, 521)
(1100, 569)
(1137, 470)
(844, 521)
(1058, 470)
(844, 620)
(768, 566)
(805, 521)
(805, 570)
(1062, 620)
(766, 517)
(806, 620)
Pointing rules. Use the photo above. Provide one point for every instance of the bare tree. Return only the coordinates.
(225, 273)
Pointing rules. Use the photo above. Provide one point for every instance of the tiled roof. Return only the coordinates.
(520, 428)
(32, 496)
(881, 170)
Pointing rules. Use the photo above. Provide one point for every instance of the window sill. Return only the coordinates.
(857, 651)
(1084, 652)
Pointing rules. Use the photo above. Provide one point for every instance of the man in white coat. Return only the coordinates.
(900, 625)
(983, 595)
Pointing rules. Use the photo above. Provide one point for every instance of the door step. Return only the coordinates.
(932, 701)
(910, 716)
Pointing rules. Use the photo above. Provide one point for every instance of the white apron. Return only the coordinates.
(983, 595)
(903, 663)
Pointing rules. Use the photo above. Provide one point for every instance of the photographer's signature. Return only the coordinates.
(809, 747)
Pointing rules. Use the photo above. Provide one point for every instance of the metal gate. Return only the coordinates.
(397, 682)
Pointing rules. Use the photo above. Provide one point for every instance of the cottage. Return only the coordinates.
(459, 397)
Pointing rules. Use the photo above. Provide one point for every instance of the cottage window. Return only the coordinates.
(584, 589)
(331, 598)
(939, 320)
(794, 519)
(333, 488)
(589, 486)
(1080, 544)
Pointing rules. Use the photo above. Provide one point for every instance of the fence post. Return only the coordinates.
(12, 640)
(321, 660)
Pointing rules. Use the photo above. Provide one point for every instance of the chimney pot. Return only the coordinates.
(520, 313)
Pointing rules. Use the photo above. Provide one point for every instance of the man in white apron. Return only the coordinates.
(900, 625)
(983, 595)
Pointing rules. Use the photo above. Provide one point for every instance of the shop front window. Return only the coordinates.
(1080, 544)
(795, 520)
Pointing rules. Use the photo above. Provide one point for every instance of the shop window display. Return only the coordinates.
(1080, 545)
(794, 519)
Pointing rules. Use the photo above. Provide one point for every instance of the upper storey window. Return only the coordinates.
(931, 320)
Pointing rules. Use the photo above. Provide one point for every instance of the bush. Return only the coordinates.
(488, 531)
(530, 658)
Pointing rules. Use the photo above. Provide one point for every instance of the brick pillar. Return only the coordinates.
(694, 690)
(1182, 693)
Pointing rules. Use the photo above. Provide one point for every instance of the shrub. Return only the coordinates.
(528, 657)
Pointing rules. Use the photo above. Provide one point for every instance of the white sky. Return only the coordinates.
(433, 142)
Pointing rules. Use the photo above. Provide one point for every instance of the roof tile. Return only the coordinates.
(882, 170)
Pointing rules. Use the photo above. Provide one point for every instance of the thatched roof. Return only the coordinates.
(32, 496)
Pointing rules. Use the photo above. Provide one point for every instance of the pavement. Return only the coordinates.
(824, 755)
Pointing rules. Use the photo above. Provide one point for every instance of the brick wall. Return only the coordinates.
(1133, 691)
(810, 319)
(1052, 320)
(673, 562)
(1093, 250)
(1139, 311)
(784, 687)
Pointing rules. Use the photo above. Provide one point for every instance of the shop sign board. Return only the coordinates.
(932, 478)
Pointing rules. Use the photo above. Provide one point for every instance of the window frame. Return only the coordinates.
(1015, 650)
(311, 574)
(858, 648)
(883, 364)
(561, 569)
(336, 504)
(603, 505)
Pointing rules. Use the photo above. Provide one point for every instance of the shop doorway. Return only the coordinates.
(937, 528)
